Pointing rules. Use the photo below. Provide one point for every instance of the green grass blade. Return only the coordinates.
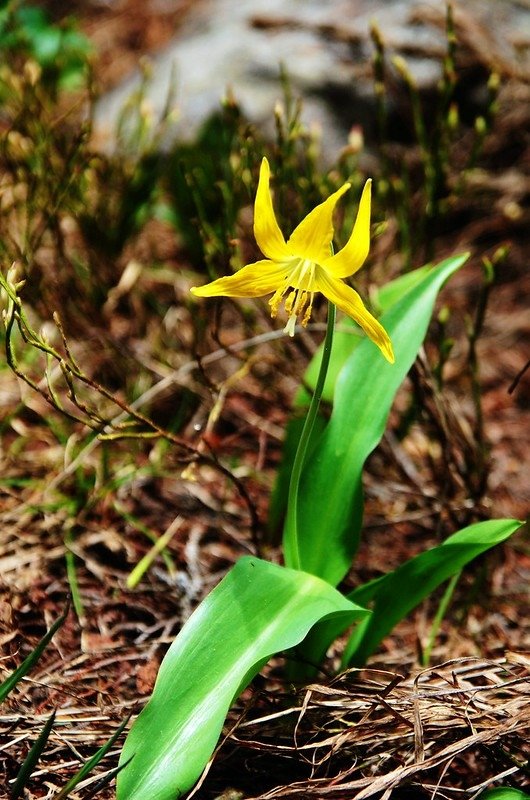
(71, 574)
(258, 609)
(29, 662)
(91, 763)
(394, 595)
(331, 498)
(98, 786)
(24, 773)
(439, 617)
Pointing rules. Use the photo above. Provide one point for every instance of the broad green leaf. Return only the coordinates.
(278, 499)
(392, 292)
(330, 499)
(258, 609)
(345, 340)
(504, 793)
(348, 336)
(394, 595)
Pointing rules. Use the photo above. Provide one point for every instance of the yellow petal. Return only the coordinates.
(266, 230)
(254, 280)
(312, 238)
(349, 301)
(353, 254)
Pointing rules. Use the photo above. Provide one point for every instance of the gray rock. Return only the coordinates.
(325, 48)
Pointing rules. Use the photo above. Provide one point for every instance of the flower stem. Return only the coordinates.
(291, 527)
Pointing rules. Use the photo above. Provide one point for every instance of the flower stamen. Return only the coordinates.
(290, 301)
(291, 325)
(309, 310)
(276, 299)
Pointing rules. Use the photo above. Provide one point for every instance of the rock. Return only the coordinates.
(326, 50)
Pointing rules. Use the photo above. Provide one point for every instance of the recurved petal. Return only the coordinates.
(254, 280)
(266, 229)
(350, 302)
(353, 254)
(312, 238)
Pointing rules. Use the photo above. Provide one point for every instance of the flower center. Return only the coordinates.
(299, 282)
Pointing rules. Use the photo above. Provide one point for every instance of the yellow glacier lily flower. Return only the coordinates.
(303, 265)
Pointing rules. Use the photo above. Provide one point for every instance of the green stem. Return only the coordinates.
(440, 614)
(299, 459)
(71, 574)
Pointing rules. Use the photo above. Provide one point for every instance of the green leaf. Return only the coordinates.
(278, 499)
(392, 292)
(348, 335)
(394, 595)
(503, 793)
(29, 662)
(346, 338)
(331, 499)
(258, 609)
